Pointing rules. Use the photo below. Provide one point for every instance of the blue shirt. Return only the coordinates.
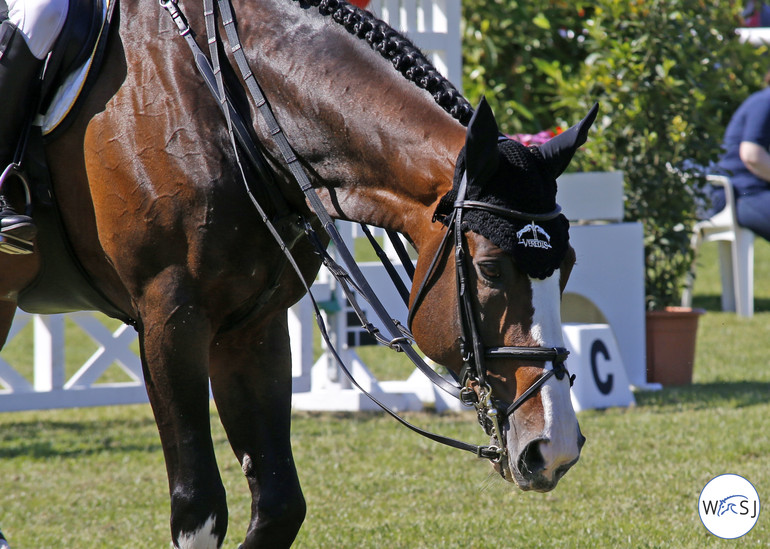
(751, 122)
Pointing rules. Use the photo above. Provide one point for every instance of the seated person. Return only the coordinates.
(746, 161)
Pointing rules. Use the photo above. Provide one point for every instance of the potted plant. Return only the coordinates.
(668, 74)
(659, 70)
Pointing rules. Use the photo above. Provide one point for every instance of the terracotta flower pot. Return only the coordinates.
(671, 336)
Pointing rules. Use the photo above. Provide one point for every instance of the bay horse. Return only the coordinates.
(152, 201)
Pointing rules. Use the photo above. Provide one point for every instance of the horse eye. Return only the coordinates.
(489, 270)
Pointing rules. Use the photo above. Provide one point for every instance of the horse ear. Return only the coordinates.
(481, 156)
(559, 151)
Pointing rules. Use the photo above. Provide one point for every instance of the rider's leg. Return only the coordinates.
(18, 68)
(26, 37)
(39, 21)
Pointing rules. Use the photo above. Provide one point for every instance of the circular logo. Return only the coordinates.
(729, 506)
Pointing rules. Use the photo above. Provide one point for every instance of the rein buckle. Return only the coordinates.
(491, 452)
(468, 397)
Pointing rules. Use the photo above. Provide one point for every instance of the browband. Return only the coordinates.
(506, 212)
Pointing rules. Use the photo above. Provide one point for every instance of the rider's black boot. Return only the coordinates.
(18, 68)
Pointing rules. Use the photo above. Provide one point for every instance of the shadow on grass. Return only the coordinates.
(48, 439)
(728, 394)
(714, 303)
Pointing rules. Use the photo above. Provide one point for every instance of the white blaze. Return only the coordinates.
(560, 421)
(546, 300)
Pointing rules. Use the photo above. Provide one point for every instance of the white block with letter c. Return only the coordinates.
(595, 359)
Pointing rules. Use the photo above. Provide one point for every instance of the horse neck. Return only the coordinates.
(380, 148)
(399, 184)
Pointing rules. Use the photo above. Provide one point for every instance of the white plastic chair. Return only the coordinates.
(736, 254)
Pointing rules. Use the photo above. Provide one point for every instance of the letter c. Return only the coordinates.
(605, 386)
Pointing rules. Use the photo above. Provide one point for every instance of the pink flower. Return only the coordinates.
(531, 139)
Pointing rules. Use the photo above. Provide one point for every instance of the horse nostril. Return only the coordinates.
(581, 440)
(531, 461)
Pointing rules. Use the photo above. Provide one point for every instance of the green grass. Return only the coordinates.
(94, 478)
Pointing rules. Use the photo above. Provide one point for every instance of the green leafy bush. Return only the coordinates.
(668, 74)
(503, 40)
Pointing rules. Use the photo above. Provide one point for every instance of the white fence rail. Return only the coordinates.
(318, 384)
(50, 386)
(434, 25)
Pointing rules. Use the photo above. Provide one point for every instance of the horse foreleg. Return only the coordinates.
(174, 339)
(251, 381)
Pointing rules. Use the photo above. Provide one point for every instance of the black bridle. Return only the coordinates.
(473, 351)
(476, 390)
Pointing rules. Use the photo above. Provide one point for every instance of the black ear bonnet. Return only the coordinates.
(505, 173)
(519, 184)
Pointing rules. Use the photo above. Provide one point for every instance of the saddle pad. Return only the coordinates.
(67, 93)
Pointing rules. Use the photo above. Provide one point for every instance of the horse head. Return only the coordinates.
(488, 318)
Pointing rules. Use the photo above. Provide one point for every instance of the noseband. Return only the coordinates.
(476, 390)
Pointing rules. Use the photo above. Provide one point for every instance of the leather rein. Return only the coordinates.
(352, 280)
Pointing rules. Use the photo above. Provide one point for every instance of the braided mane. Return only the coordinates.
(399, 50)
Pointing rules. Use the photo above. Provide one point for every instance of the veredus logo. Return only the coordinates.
(534, 241)
(729, 506)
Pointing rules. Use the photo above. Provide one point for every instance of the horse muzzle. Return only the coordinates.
(540, 463)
